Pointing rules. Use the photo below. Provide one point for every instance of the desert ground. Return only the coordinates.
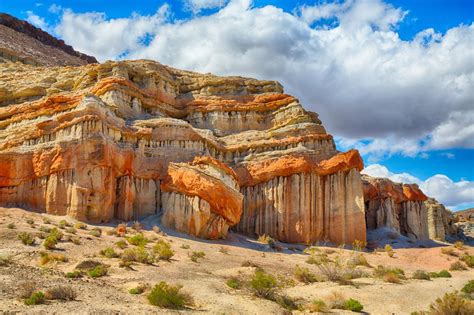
(238, 257)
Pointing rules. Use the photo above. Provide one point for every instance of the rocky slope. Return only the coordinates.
(119, 140)
(22, 42)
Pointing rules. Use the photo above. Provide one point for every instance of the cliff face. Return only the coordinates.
(21, 41)
(128, 139)
(404, 208)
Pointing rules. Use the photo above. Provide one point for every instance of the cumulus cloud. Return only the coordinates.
(197, 6)
(344, 60)
(455, 195)
(37, 21)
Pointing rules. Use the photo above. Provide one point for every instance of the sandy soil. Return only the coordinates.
(206, 279)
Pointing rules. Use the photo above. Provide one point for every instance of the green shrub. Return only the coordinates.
(96, 232)
(80, 226)
(63, 224)
(234, 283)
(137, 254)
(468, 259)
(71, 230)
(304, 275)
(26, 238)
(353, 305)
(169, 296)
(50, 242)
(44, 229)
(98, 271)
(162, 250)
(11, 226)
(74, 274)
(441, 274)
(359, 245)
(46, 221)
(137, 240)
(197, 255)
(469, 287)
(138, 290)
(380, 271)
(56, 234)
(35, 298)
(121, 244)
(109, 252)
(421, 275)
(263, 284)
(266, 239)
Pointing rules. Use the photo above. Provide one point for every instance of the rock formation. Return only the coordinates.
(440, 220)
(127, 139)
(22, 42)
(397, 206)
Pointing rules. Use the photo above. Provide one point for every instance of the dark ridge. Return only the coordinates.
(40, 35)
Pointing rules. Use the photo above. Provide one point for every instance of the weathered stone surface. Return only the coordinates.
(440, 220)
(128, 139)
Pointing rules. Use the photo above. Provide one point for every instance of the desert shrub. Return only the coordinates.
(359, 245)
(380, 271)
(318, 259)
(71, 230)
(459, 244)
(311, 250)
(80, 226)
(337, 301)
(121, 229)
(194, 256)
(26, 238)
(5, 260)
(61, 292)
(137, 240)
(223, 250)
(87, 265)
(50, 242)
(248, 263)
(389, 250)
(76, 240)
(286, 302)
(96, 232)
(266, 239)
(138, 289)
(137, 254)
(121, 244)
(353, 305)
(234, 283)
(263, 284)
(11, 226)
(157, 230)
(441, 274)
(451, 304)
(137, 226)
(74, 274)
(44, 229)
(457, 266)
(318, 306)
(185, 246)
(56, 234)
(162, 250)
(391, 277)
(169, 296)
(421, 275)
(109, 252)
(468, 260)
(35, 298)
(358, 260)
(30, 221)
(98, 271)
(63, 224)
(46, 258)
(304, 275)
(26, 289)
(46, 221)
(469, 287)
(449, 251)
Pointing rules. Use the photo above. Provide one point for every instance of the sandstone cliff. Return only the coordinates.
(406, 209)
(127, 139)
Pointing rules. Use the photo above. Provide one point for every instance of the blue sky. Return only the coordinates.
(393, 79)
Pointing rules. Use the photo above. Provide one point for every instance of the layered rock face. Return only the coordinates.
(440, 220)
(127, 139)
(397, 206)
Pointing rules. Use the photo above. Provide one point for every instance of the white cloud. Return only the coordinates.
(383, 94)
(455, 195)
(37, 21)
(55, 8)
(197, 6)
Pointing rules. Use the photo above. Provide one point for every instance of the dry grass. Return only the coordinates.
(61, 292)
(304, 275)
